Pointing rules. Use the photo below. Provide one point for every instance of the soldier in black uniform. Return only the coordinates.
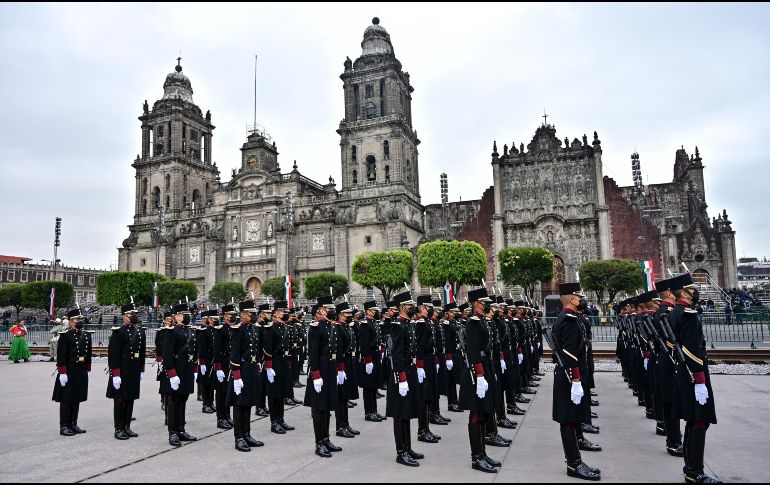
(453, 360)
(369, 365)
(389, 314)
(346, 389)
(160, 334)
(664, 375)
(426, 370)
(693, 397)
(515, 357)
(221, 362)
(277, 355)
(436, 320)
(73, 362)
(567, 388)
(243, 385)
(179, 363)
(477, 394)
(321, 390)
(586, 380)
(294, 342)
(501, 349)
(125, 356)
(206, 358)
(403, 395)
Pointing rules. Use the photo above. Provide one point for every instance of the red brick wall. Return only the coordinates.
(479, 229)
(625, 231)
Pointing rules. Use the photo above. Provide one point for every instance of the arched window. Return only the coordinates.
(371, 168)
(353, 154)
(156, 197)
(408, 172)
(144, 186)
(370, 111)
(387, 173)
(355, 177)
(168, 182)
(168, 201)
(386, 149)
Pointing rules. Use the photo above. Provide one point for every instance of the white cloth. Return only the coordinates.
(521, 358)
(270, 375)
(141, 376)
(174, 381)
(420, 374)
(221, 375)
(449, 365)
(318, 384)
(203, 369)
(481, 387)
(341, 376)
(238, 386)
(63, 379)
(701, 394)
(369, 368)
(502, 365)
(403, 388)
(577, 392)
(646, 360)
(160, 366)
(437, 367)
(116, 382)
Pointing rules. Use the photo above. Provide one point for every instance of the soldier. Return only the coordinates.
(179, 349)
(502, 363)
(389, 314)
(262, 317)
(586, 380)
(222, 337)
(277, 380)
(693, 397)
(436, 320)
(206, 358)
(293, 329)
(567, 388)
(321, 390)
(492, 438)
(403, 395)
(515, 358)
(125, 356)
(243, 386)
(344, 316)
(73, 362)
(426, 370)
(452, 359)
(370, 366)
(160, 376)
(476, 393)
(664, 374)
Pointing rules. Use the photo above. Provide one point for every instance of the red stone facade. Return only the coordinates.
(479, 228)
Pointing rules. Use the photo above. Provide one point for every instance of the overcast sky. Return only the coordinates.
(646, 77)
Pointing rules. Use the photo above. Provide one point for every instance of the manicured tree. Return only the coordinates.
(117, 287)
(174, 291)
(275, 288)
(385, 270)
(38, 295)
(526, 267)
(459, 262)
(10, 295)
(224, 293)
(611, 276)
(318, 285)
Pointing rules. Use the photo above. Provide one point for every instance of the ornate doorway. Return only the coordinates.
(254, 285)
(552, 287)
(700, 276)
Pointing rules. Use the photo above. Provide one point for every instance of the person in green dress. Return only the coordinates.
(19, 347)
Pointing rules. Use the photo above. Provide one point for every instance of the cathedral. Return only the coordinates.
(263, 223)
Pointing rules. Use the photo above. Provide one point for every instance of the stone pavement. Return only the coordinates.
(31, 449)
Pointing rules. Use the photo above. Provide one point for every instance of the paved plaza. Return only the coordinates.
(31, 449)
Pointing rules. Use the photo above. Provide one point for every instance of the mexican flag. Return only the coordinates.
(449, 294)
(648, 274)
(287, 284)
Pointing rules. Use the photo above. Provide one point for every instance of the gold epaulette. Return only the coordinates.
(691, 355)
(314, 323)
(233, 363)
(115, 328)
(235, 326)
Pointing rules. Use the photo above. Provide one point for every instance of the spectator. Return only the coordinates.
(699, 309)
(710, 304)
(739, 310)
(728, 314)
(114, 320)
(19, 347)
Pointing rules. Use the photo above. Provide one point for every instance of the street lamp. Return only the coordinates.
(161, 232)
(444, 204)
(289, 225)
(636, 171)
(56, 242)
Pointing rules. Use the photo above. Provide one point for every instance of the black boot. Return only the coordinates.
(401, 432)
(129, 411)
(74, 419)
(181, 412)
(583, 443)
(118, 416)
(477, 455)
(326, 422)
(575, 466)
(695, 447)
(65, 416)
(407, 426)
(238, 433)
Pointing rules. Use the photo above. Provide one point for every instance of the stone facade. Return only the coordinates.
(217, 231)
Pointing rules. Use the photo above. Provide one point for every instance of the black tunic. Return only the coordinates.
(569, 337)
(73, 357)
(206, 355)
(369, 348)
(403, 353)
(125, 356)
(245, 351)
(160, 334)
(664, 366)
(179, 359)
(426, 358)
(277, 354)
(322, 364)
(346, 344)
(478, 348)
(689, 334)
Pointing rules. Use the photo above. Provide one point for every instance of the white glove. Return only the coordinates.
(403, 388)
(646, 360)
(318, 384)
(437, 367)
(160, 366)
(203, 369)
(270, 375)
(521, 358)
(577, 392)
(238, 386)
(141, 376)
(174, 381)
(341, 376)
(481, 387)
(420, 374)
(221, 375)
(369, 368)
(502, 365)
(701, 394)
(449, 365)
(116, 381)
(63, 379)
(531, 349)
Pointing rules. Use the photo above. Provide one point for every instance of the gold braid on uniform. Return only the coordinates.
(690, 355)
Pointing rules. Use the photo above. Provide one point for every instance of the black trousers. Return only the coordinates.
(176, 408)
(276, 410)
(241, 421)
(370, 401)
(68, 413)
(221, 394)
(321, 420)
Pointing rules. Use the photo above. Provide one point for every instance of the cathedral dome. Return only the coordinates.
(177, 85)
(376, 40)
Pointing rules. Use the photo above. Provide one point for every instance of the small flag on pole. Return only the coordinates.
(648, 274)
(287, 284)
(155, 300)
(51, 307)
(449, 293)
